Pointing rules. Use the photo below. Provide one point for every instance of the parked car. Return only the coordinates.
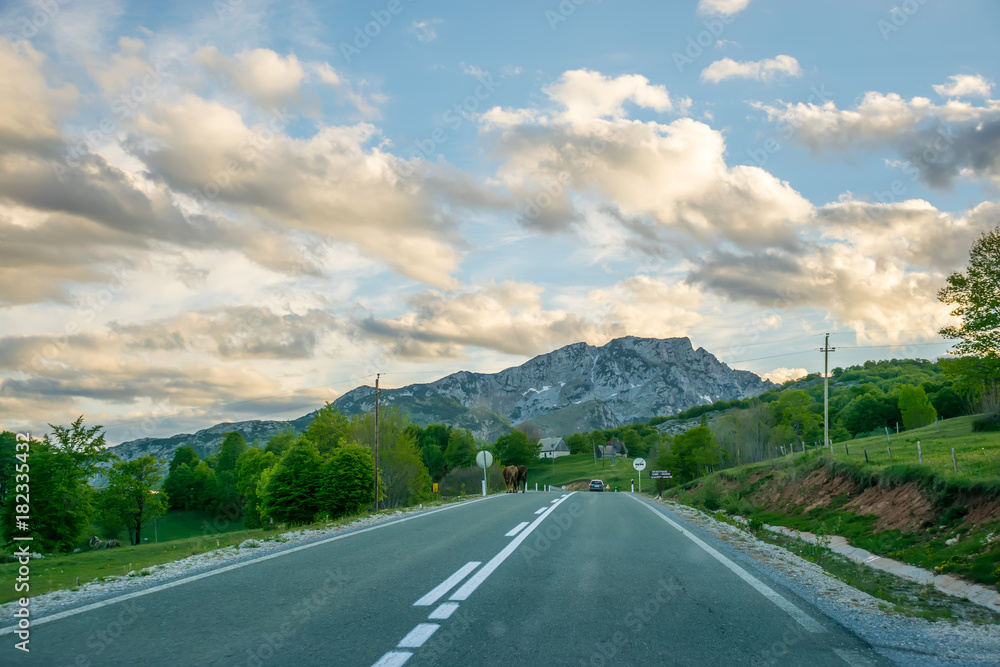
(596, 485)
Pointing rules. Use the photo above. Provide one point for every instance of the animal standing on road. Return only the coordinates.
(522, 478)
(510, 478)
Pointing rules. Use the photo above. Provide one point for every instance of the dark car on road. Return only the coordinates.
(596, 485)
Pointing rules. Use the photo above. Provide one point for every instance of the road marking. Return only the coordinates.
(418, 635)
(447, 584)
(516, 529)
(558, 499)
(393, 659)
(804, 619)
(155, 589)
(486, 570)
(541, 510)
(853, 658)
(444, 611)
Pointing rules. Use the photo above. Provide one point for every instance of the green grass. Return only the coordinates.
(577, 467)
(978, 454)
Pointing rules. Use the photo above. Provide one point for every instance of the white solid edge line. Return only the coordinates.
(541, 509)
(516, 529)
(416, 637)
(435, 594)
(804, 619)
(155, 589)
(393, 659)
(486, 570)
(444, 611)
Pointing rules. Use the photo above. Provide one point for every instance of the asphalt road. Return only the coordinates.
(594, 579)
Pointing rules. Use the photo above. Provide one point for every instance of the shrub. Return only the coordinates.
(991, 423)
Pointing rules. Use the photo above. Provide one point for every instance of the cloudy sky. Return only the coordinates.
(239, 209)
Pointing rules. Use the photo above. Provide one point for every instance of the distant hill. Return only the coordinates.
(576, 388)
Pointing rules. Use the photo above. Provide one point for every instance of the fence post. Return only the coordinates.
(889, 449)
(866, 456)
(846, 450)
(954, 461)
(920, 454)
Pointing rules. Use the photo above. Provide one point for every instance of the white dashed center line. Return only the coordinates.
(418, 635)
(444, 611)
(393, 659)
(541, 510)
(446, 585)
(515, 530)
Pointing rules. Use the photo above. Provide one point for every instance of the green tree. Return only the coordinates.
(975, 296)
(515, 449)
(434, 461)
(131, 496)
(232, 446)
(249, 468)
(793, 409)
(947, 403)
(292, 493)
(690, 451)
(915, 407)
(183, 455)
(280, 442)
(402, 472)
(85, 447)
(578, 443)
(461, 451)
(204, 487)
(8, 450)
(328, 429)
(348, 481)
(61, 508)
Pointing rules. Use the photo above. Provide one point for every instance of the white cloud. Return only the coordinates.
(510, 317)
(721, 7)
(587, 95)
(425, 30)
(30, 108)
(965, 85)
(783, 375)
(265, 76)
(762, 70)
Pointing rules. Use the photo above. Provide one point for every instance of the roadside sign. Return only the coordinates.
(639, 464)
(660, 474)
(484, 459)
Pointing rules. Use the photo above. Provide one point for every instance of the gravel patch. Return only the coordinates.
(904, 640)
(95, 591)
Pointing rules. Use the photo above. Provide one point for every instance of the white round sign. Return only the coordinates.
(639, 464)
(484, 459)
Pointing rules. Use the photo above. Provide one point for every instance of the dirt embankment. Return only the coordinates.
(905, 507)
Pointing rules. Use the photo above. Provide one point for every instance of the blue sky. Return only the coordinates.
(226, 210)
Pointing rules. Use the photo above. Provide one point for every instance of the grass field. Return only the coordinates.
(977, 454)
(576, 467)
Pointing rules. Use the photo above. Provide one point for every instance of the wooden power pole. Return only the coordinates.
(376, 440)
(826, 350)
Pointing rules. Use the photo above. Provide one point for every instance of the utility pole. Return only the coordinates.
(826, 350)
(376, 440)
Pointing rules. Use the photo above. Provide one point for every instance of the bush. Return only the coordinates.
(469, 481)
(986, 423)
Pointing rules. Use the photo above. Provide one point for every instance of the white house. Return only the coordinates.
(553, 447)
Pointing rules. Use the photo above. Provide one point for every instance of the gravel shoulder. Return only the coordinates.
(905, 640)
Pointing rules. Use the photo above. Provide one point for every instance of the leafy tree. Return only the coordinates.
(402, 472)
(183, 455)
(130, 496)
(461, 452)
(975, 296)
(514, 449)
(281, 441)
(292, 492)
(578, 443)
(328, 429)
(530, 430)
(434, 461)
(864, 414)
(204, 485)
(915, 407)
(84, 446)
(232, 446)
(947, 403)
(249, 468)
(689, 451)
(178, 486)
(61, 506)
(348, 480)
(8, 449)
(793, 408)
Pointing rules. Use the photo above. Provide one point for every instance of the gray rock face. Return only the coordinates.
(628, 380)
(575, 388)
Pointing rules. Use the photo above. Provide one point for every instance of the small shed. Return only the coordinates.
(553, 447)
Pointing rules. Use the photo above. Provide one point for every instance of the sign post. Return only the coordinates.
(485, 460)
(639, 465)
(659, 476)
